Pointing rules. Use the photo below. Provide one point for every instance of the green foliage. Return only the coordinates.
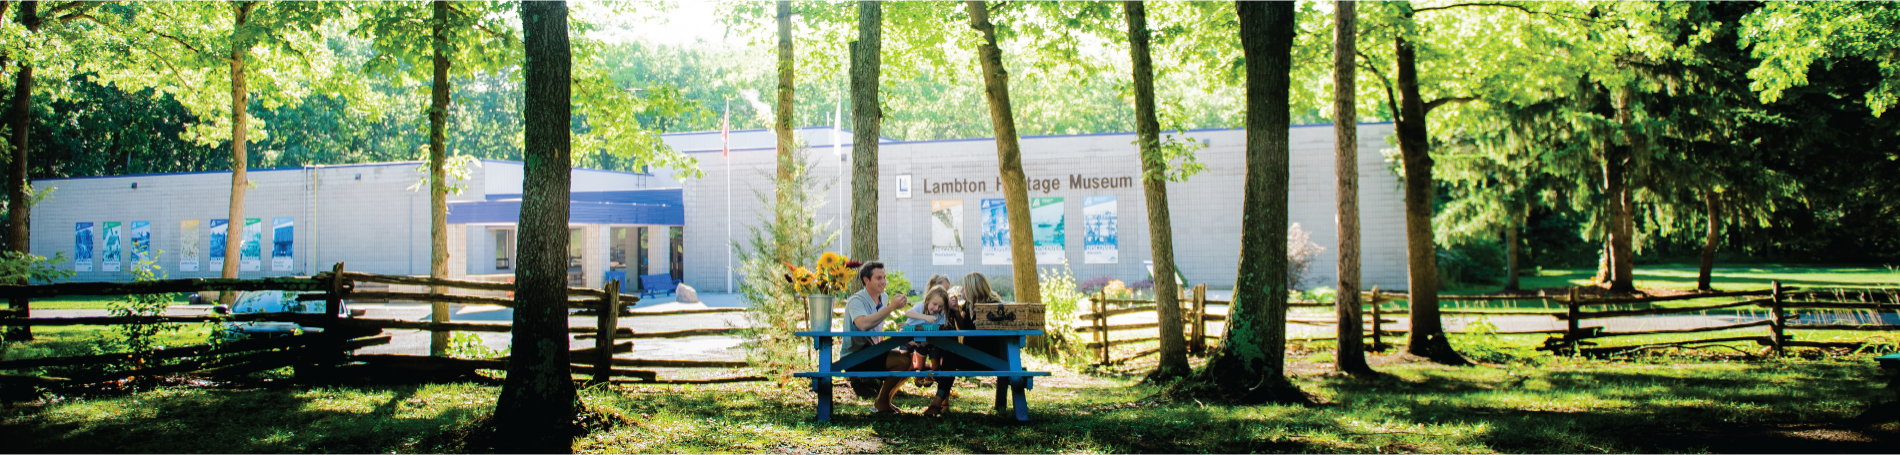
(1063, 304)
(140, 338)
(790, 233)
(899, 285)
(1470, 263)
(468, 345)
(16, 266)
(1791, 37)
(1481, 343)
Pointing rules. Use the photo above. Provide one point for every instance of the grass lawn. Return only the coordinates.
(82, 303)
(1649, 404)
(1683, 276)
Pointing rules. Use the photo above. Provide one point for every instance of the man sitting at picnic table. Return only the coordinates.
(867, 311)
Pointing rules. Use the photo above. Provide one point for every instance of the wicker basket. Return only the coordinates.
(1009, 316)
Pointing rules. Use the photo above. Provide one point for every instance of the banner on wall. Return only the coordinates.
(109, 261)
(188, 246)
(995, 232)
(141, 242)
(1099, 244)
(82, 247)
(946, 232)
(282, 237)
(218, 234)
(250, 253)
(1045, 213)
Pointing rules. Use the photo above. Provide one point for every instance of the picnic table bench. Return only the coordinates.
(1008, 371)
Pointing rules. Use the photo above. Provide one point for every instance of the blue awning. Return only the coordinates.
(653, 207)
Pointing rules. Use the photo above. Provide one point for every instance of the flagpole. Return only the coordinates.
(725, 139)
(837, 119)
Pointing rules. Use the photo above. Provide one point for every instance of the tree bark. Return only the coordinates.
(782, 114)
(438, 174)
(1173, 356)
(19, 203)
(1617, 186)
(1250, 365)
(1008, 156)
(1427, 338)
(1703, 276)
(538, 400)
(240, 125)
(1351, 358)
(867, 117)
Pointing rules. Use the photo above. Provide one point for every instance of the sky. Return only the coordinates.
(689, 21)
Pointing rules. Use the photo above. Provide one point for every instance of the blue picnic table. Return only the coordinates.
(1008, 371)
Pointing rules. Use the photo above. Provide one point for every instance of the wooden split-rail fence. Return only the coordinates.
(341, 335)
(1573, 338)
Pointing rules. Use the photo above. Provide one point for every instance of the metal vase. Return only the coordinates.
(818, 310)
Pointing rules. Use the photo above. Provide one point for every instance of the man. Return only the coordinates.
(866, 310)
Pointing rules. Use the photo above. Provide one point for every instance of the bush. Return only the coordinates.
(1300, 251)
(1093, 284)
(1470, 263)
(1063, 304)
(789, 233)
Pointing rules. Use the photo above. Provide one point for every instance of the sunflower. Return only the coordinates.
(829, 260)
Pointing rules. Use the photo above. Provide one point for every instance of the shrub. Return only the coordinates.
(1094, 284)
(1063, 303)
(1300, 251)
(787, 233)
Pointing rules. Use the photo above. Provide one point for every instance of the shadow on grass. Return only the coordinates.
(236, 421)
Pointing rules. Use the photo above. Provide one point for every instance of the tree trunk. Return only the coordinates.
(240, 125)
(782, 116)
(1427, 338)
(1714, 200)
(1250, 365)
(1510, 254)
(438, 175)
(1616, 176)
(19, 203)
(1008, 156)
(1154, 183)
(1351, 358)
(538, 400)
(867, 117)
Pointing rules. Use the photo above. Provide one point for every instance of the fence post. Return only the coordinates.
(1101, 322)
(1779, 320)
(332, 304)
(1197, 341)
(1574, 313)
(1375, 321)
(604, 341)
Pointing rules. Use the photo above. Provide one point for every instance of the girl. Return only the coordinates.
(931, 315)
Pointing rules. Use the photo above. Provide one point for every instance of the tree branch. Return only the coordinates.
(1391, 101)
(1429, 105)
(1521, 8)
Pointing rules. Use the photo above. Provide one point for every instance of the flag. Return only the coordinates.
(725, 133)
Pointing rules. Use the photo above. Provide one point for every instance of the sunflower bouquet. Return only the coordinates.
(830, 276)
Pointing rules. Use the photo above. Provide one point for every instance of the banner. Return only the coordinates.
(82, 247)
(250, 253)
(1099, 245)
(218, 234)
(141, 242)
(946, 232)
(1045, 213)
(109, 262)
(188, 246)
(282, 236)
(995, 232)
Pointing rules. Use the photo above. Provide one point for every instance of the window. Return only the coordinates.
(617, 249)
(576, 243)
(504, 249)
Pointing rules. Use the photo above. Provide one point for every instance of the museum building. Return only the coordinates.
(939, 203)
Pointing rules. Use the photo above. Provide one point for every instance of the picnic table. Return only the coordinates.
(1008, 371)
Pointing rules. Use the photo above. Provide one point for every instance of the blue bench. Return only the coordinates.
(653, 285)
(1008, 371)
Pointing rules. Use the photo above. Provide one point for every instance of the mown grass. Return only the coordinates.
(64, 341)
(1683, 276)
(1561, 404)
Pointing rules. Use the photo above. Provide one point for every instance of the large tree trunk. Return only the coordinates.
(1009, 157)
(782, 115)
(1714, 200)
(1427, 338)
(438, 187)
(1250, 365)
(1351, 358)
(866, 119)
(1154, 184)
(1616, 184)
(240, 126)
(19, 203)
(538, 399)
